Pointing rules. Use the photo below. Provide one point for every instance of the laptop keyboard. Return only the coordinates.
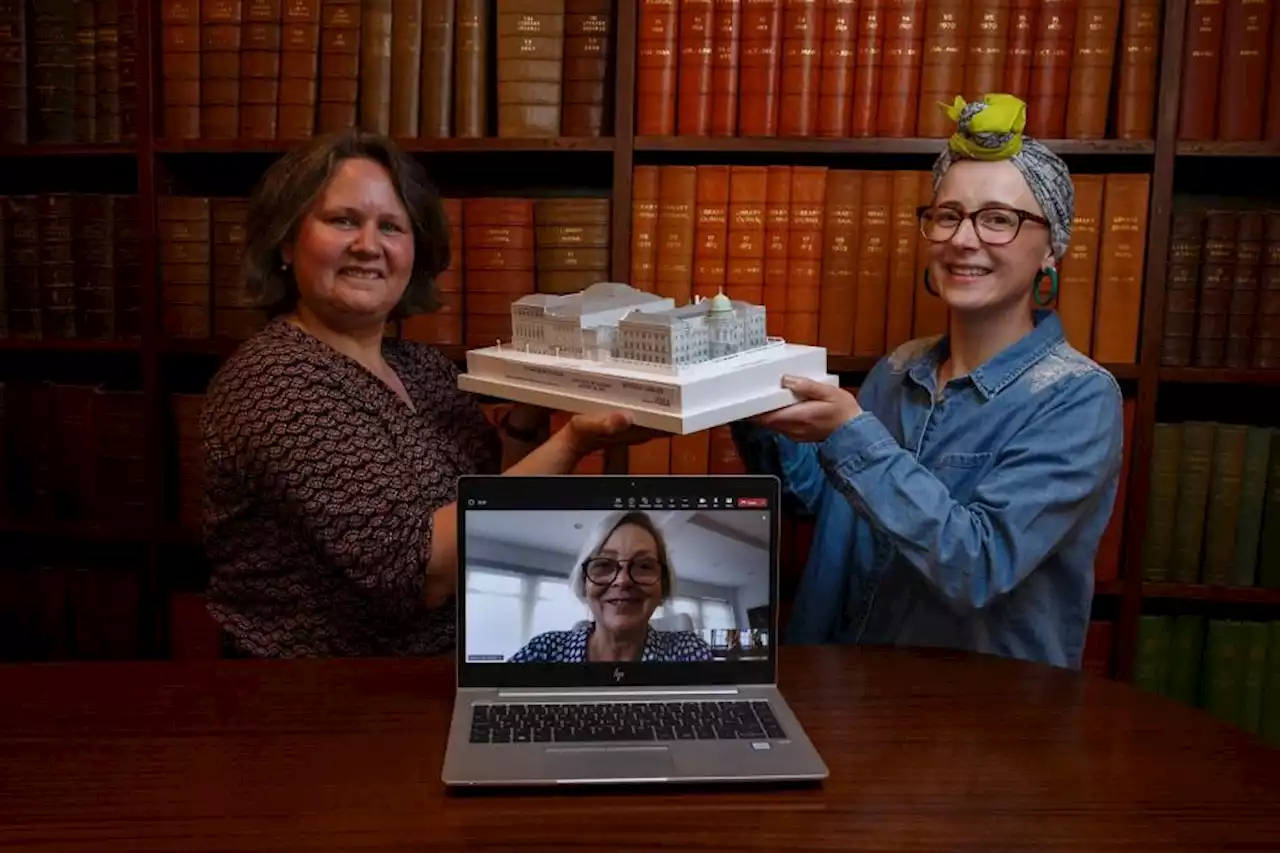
(623, 721)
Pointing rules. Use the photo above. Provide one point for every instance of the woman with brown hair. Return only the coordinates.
(332, 453)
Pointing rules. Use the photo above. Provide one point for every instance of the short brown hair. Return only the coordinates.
(292, 185)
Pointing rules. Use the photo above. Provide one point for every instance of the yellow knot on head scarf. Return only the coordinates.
(991, 129)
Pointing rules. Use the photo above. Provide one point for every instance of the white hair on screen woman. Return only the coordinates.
(595, 544)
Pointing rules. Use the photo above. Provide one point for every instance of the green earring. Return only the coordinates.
(1050, 273)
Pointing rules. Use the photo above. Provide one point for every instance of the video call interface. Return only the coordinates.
(674, 580)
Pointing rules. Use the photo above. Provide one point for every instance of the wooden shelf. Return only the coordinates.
(1228, 149)
(463, 146)
(199, 346)
(768, 145)
(69, 149)
(1235, 376)
(1112, 587)
(49, 345)
(1200, 592)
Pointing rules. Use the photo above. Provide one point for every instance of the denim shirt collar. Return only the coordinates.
(1004, 367)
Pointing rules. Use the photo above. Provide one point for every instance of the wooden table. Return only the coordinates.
(928, 751)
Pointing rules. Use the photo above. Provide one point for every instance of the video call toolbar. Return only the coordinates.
(698, 502)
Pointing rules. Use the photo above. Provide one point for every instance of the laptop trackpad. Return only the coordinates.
(609, 763)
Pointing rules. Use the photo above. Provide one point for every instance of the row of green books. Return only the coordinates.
(1229, 667)
(1213, 511)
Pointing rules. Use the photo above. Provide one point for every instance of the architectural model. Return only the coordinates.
(677, 368)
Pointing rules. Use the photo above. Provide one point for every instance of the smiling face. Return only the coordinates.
(624, 607)
(973, 276)
(353, 255)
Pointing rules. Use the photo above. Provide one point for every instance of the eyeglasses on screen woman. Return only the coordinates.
(644, 571)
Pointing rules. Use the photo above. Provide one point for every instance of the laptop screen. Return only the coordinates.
(575, 581)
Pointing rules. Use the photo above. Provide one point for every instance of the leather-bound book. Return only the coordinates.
(839, 43)
(53, 71)
(1051, 68)
(805, 253)
(644, 228)
(875, 234)
(677, 208)
(1266, 331)
(106, 71)
(588, 44)
(711, 232)
(1217, 267)
(651, 457)
(903, 235)
(1106, 566)
(406, 68)
(868, 67)
(260, 69)
(22, 276)
(183, 229)
(657, 67)
(899, 75)
(93, 249)
(572, 239)
(4, 330)
(471, 80)
(128, 259)
(1271, 130)
(86, 94)
(1078, 272)
(722, 453)
(1201, 64)
(530, 67)
(436, 88)
(1246, 33)
(984, 71)
(13, 72)
(1181, 293)
(777, 235)
(220, 31)
(499, 263)
(946, 42)
(1245, 280)
(127, 39)
(689, 452)
(760, 76)
(340, 44)
(375, 66)
(234, 315)
(180, 68)
(299, 69)
(1136, 89)
(693, 82)
(1089, 99)
(726, 60)
(802, 32)
(930, 313)
(840, 237)
(443, 326)
(1023, 18)
(184, 412)
(57, 266)
(1121, 262)
(744, 270)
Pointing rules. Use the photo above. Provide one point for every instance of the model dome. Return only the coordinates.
(720, 304)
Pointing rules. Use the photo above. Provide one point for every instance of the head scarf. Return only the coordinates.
(991, 129)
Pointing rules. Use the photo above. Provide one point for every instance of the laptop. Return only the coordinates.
(620, 629)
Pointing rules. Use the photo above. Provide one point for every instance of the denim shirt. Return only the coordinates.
(969, 519)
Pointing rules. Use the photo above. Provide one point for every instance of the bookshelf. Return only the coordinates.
(150, 164)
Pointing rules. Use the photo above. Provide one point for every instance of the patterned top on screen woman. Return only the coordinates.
(571, 647)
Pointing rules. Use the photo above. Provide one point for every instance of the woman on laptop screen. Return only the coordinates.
(961, 497)
(332, 453)
(624, 574)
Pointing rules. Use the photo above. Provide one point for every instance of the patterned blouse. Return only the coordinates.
(320, 485)
(571, 647)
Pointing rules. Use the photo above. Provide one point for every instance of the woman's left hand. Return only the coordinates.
(821, 410)
(589, 433)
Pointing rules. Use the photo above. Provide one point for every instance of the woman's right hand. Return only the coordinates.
(586, 434)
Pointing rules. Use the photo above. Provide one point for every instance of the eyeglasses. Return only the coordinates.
(994, 226)
(644, 571)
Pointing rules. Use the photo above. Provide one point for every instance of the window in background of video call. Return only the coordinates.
(518, 565)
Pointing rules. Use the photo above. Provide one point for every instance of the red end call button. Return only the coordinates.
(754, 503)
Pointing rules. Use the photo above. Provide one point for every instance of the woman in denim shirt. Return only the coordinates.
(960, 499)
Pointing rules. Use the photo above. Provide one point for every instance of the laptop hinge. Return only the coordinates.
(615, 693)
